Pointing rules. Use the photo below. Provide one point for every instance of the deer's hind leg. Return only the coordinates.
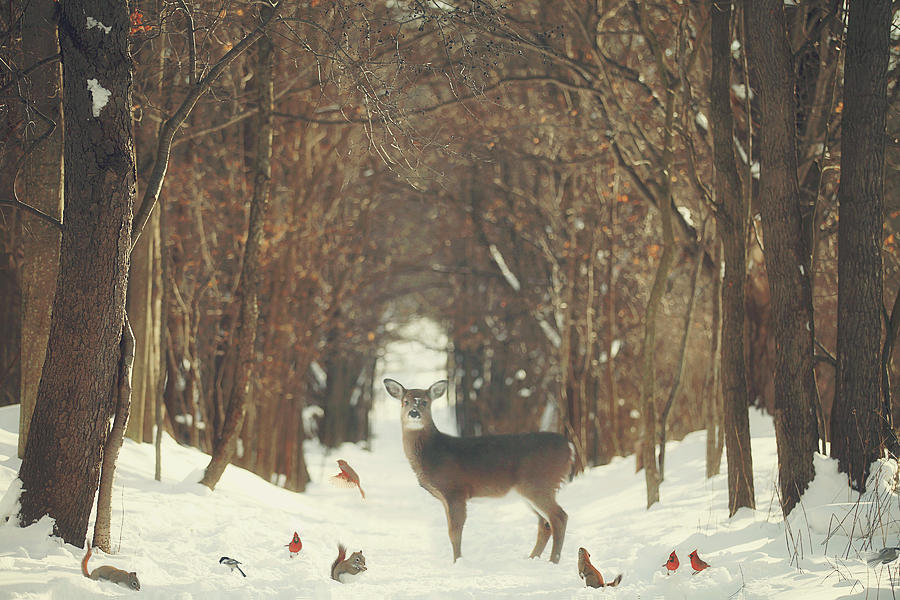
(549, 511)
(543, 535)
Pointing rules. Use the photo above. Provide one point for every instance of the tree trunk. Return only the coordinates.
(682, 355)
(648, 349)
(244, 338)
(611, 320)
(733, 226)
(43, 180)
(857, 415)
(787, 255)
(712, 405)
(144, 311)
(61, 466)
(114, 440)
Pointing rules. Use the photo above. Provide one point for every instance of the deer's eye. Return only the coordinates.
(424, 403)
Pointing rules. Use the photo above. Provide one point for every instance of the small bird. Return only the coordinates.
(672, 564)
(883, 556)
(697, 563)
(230, 562)
(295, 545)
(347, 477)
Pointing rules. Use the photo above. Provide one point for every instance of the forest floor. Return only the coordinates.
(173, 532)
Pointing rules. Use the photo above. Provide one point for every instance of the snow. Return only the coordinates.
(92, 22)
(510, 277)
(99, 96)
(174, 532)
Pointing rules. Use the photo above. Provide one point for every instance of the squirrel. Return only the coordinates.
(590, 574)
(112, 574)
(353, 565)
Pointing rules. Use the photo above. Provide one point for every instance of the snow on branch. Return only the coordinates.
(510, 277)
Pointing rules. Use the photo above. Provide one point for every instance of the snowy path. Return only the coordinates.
(172, 533)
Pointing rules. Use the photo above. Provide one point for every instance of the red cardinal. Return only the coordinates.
(295, 545)
(672, 563)
(697, 563)
(347, 477)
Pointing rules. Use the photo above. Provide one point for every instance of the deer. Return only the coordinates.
(455, 469)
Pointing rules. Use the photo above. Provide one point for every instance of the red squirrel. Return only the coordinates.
(112, 574)
(342, 569)
(590, 574)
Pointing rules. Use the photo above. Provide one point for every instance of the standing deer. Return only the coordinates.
(455, 469)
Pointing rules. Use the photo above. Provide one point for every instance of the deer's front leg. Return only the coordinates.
(455, 505)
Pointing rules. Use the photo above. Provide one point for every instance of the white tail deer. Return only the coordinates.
(455, 469)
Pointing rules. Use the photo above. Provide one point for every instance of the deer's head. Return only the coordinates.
(416, 404)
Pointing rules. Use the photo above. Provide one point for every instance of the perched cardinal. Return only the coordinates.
(672, 564)
(295, 545)
(347, 477)
(697, 563)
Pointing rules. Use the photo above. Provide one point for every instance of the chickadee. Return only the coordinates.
(883, 556)
(231, 563)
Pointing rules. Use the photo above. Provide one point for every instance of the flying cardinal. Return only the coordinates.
(697, 563)
(672, 564)
(347, 477)
(295, 545)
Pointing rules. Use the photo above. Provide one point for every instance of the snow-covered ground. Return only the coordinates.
(173, 532)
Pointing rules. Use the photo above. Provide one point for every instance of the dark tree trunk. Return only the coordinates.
(733, 226)
(786, 245)
(244, 339)
(61, 466)
(857, 415)
(42, 186)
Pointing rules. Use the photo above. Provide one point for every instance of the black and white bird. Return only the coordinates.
(883, 556)
(230, 562)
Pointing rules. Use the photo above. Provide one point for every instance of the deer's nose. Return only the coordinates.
(414, 414)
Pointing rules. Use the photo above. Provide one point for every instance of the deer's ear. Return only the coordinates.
(437, 390)
(393, 388)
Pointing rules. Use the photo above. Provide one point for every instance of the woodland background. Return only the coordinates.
(625, 215)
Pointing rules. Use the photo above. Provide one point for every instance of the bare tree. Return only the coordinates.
(732, 219)
(857, 416)
(788, 256)
(242, 350)
(61, 466)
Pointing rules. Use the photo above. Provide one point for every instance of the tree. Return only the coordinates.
(732, 219)
(43, 175)
(61, 466)
(788, 256)
(241, 353)
(857, 416)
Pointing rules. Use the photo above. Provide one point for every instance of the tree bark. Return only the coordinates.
(114, 440)
(244, 338)
(61, 466)
(144, 311)
(43, 180)
(648, 347)
(732, 221)
(712, 406)
(857, 414)
(786, 249)
(682, 355)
